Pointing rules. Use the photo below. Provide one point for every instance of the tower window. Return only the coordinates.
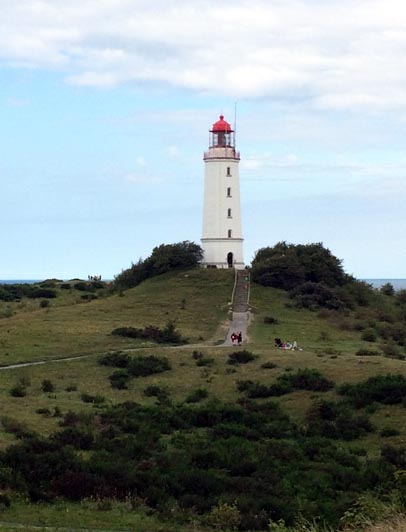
(228, 171)
(229, 192)
(229, 233)
(228, 213)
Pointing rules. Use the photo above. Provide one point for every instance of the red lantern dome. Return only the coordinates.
(221, 125)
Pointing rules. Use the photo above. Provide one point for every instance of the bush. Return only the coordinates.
(241, 357)
(270, 320)
(12, 426)
(386, 389)
(307, 379)
(156, 391)
(45, 293)
(364, 352)
(119, 379)
(387, 289)
(47, 386)
(142, 366)
(388, 432)
(44, 303)
(336, 421)
(95, 399)
(164, 258)
(315, 296)
(287, 266)
(19, 390)
(369, 335)
(205, 361)
(269, 365)
(116, 360)
(168, 334)
(197, 395)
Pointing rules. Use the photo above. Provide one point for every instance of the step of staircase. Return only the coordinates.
(241, 293)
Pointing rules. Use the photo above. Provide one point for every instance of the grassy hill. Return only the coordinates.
(198, 302)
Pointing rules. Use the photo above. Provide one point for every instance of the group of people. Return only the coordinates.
(285, 345)
(236, 337)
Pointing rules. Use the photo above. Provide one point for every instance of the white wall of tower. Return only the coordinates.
(222, 232)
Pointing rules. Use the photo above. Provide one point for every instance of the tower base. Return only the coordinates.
(222, 253)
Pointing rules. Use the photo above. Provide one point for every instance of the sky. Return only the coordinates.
(105, 108)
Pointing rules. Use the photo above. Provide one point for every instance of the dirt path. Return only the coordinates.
(239, 322)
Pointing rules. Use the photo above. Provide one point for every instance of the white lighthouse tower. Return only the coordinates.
(222, 237)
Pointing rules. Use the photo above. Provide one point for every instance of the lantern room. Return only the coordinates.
(221, 135)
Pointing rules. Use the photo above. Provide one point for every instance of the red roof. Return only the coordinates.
(222, 125)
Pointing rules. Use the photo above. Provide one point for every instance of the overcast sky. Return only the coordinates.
(105, 107)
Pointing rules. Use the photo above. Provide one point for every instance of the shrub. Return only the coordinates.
(364, 352)
(391, 350)
(388, 432)
(168, 334)
(83, 287)
(336, 421)
(241, 357)
(369, 335)
(164, 258)
(47, 386)
(45, 293)
(95, 399)
(156, 391)
(387, 289)
(270, 320)
(307, 379)
(66, 286)
(19, 390)
(12, 426)
(142, 366)
(205, 361)
(386, 389)
(225, 516)
(269, 365)
(287, 266)
(197, 395)
(119, 379)
(44, 303)
(43, 411)
(256, 390)
(316, 295)
(71, 388)
(88, 297)
(115, 359)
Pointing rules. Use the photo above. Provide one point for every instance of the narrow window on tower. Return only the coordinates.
(229, 233)
(228, 171)
(229, 192)
(228, 213)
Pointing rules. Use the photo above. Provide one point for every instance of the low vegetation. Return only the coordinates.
(150, 434)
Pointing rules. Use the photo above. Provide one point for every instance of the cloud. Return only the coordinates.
(338, 54)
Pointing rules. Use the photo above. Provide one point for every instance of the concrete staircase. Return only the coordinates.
(241, 291)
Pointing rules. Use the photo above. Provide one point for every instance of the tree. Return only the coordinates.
(164, 258)
(288, 265)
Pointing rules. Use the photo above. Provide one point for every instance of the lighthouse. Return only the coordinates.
(222, 241)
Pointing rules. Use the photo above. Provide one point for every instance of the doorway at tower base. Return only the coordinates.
(223, 253)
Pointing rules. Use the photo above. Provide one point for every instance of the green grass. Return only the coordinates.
(198, 301)
(105, 516)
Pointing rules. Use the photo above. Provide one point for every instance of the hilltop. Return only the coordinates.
(284, 424)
